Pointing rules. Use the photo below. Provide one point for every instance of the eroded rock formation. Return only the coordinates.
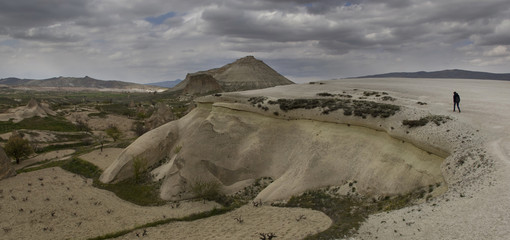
(162, 115)
(232, 140)
(32, 109)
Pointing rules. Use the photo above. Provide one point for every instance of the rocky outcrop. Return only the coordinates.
(235, 139)
(32, 109)
(201, 83)
(162, 115)
(6, 170)
(244, 74)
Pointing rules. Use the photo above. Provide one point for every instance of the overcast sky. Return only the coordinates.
(157, 40)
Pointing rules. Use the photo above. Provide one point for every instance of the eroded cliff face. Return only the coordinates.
(233, 143)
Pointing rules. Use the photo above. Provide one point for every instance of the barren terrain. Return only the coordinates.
(473, 148)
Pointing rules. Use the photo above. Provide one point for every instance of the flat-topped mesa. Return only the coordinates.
(244, 74)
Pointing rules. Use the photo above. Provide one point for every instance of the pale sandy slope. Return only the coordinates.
(479, 210)
(285, 223)
(55, 204)
(102, 158)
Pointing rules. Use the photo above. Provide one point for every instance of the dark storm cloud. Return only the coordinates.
(368, 24)
(28, 13)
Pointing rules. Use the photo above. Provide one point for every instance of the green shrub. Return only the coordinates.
(437, 119)
(81, 167)
(207, 190)
(139, 168)
(415, 123)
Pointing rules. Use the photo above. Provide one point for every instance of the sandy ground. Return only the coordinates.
(473, 208)
(102, 159)
(285, 223)
(55, 204)
(124, 124)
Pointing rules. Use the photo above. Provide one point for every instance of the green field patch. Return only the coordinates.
(50, 123)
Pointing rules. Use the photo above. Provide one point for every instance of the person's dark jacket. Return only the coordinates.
(456, 97)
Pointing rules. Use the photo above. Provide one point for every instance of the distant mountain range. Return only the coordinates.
(72, 82)
(453, 73)
(166, 84)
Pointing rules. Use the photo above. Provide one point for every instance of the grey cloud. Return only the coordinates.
(46, 36)
(27, 13)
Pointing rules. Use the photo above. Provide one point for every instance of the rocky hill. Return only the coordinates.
(454, 73)
(32, 109)
(76, 83)
(244, 74)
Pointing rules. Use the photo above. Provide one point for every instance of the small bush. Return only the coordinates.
(139, 168)
(437, 119)
(415, 123)
(325, 94)
(207, 190)
(177, 149)
(388, 98)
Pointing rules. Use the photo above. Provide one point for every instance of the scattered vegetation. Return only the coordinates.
(388, 98)
(256, 100)
(325, 94)
(139, 128)
(37, 123)
(113, 132)
(206, 190)
(437, 119)
(356, 107)
(139, 168)
(348, 212)
(177, 149)
(141, 193)
(54, 147)
(81, 167)
(371, 93)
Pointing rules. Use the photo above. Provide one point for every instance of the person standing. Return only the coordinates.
(456, 101)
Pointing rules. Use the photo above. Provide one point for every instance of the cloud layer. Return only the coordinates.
(157, 40)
